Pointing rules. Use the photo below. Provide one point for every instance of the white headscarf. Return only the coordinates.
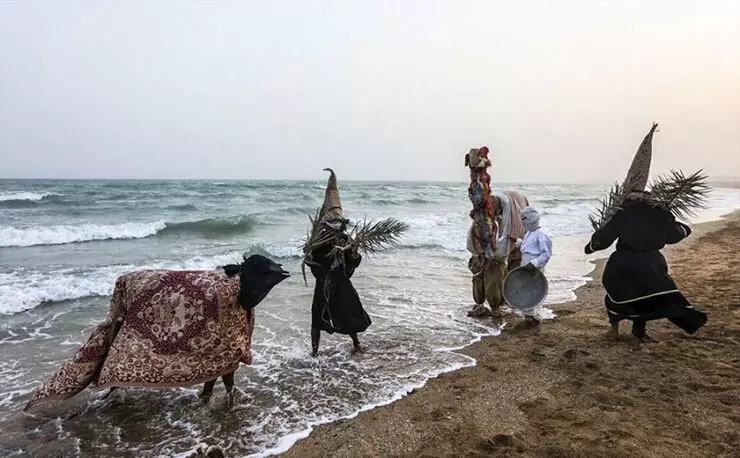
(531, 219)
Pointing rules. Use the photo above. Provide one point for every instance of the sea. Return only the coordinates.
(63, 244)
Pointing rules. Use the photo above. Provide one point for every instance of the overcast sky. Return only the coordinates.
(561, 91)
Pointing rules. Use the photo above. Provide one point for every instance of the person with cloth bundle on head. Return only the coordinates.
(496, 225)
(536, 248)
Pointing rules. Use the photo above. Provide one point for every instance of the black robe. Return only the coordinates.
(336, 305)
(636, 276)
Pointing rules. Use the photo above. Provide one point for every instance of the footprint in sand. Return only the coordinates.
(574, 353)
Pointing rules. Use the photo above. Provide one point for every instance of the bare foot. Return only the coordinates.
(612, 335)
(646, 338)
(636, 343)
(497, 313)
(478, 311)
(207, 401)
(231, 398)
(358, 349)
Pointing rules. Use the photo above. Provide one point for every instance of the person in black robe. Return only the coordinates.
(336, 306)
(638, 287)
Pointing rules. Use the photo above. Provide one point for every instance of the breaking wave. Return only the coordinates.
(30, 196)
(59, 235)
(27, 199)
(23, 290)
(211, 227)
(63, 234)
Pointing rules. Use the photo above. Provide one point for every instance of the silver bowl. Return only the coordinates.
(525, 288)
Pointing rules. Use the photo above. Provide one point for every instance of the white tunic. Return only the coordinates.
(536, 248)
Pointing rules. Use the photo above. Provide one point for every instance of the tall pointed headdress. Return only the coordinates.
(681, 194)
(639, 171)
(332, 208)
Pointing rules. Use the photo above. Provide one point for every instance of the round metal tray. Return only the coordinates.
(525, 288)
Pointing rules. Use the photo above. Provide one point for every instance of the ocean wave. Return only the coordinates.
(182, 207)
(31, 196)
(448, 248)
(18, 203)
(303, 211)
(564, 199)
(283, 251)
(211, 227)
(60, 235)
(419, 200)
(23, 290)
(384, 202)
(579, 208)
(32, 201)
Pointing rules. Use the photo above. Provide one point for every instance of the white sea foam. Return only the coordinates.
(55, 235)
(31, 196)
(21, 290)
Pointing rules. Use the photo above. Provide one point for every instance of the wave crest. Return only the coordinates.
(30, 196)
(211, 227)
(60, 235)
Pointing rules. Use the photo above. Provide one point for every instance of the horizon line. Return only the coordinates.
(267, 180)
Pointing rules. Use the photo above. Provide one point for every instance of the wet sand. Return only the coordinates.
(563, 390)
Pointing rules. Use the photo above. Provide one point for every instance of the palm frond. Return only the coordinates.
(608, 206)
(315, 237)
(366, 236)
(372, 237)
(682, 195)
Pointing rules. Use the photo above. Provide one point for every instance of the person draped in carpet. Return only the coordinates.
(332, 254)
(638, 286)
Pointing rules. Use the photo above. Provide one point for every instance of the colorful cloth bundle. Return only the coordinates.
(482, 237)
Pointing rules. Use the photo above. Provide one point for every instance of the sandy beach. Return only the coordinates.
(563, 390)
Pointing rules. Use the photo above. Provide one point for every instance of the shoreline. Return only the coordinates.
(516, 379)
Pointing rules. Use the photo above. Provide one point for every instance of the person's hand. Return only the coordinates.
(530, 266)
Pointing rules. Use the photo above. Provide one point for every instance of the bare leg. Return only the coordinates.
(228, 380)
(356, 342)
(638, 334)
(315, 338)
(205, 395)
(613, 333)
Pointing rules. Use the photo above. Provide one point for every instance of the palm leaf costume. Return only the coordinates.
(332, 251)
(642, 222)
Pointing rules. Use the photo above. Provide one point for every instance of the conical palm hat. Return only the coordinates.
(332, 209)
(637, 176)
